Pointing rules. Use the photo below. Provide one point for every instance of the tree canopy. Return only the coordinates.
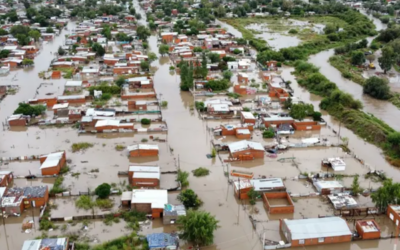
(103, 190)
(27, 109)
(377, 87)
(198, 227)
(189, 199)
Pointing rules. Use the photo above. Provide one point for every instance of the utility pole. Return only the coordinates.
(239, 201)
(179, 163)
(4, 225)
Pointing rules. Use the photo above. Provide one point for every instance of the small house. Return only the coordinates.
(246, 150)
(17, 120)
(144, 176)
(247, 117)
(241, 187)
(143, 150)
(243, 78)
(109, 125)
(368, 229)
(278, 202)
(137, 105)
(315, 231)
(328, 187)
(73, 86)
(61, 110)
(168, 37)
(75, 99)
(15, 200)
(172, 212)
(393, 212)
(151, 201)
(46, 244)
(337, 164)
(51, 164)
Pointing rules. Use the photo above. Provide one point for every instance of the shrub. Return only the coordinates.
(103, 190)
(119, 147)
(217, 85)
(269, 133)
(145, 121)
(104, 203)
(105, 97)
(183, 178)
(81, 146)
(164, 104)
(317, 116)
(84, 202)
(246, 109)
(189, 199)
(377, 88)
(198, 172)
(27, 109)
(293, 31)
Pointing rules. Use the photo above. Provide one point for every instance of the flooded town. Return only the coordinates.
(170, 124)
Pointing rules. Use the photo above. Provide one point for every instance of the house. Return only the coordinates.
(368, 229)
(142, 82)
(12, 62)
(6, 178)
(17, 120)
(306, 125)
(243, 78)
(158, 241)
(268, 185)
(137, 105)
(52, 164)
(15, 200)
(61, 110)
(241, 187)
(336, 163)
(172, 212)
(277, 120)
(246, 150)
(393, 212)
(63, 64)
(342, 200)
(73, 86)
(328, 187)
(247, 117)
(144, 176)
(315, 231)
(46, 244)
(47, 36)
(143, 150)
(168, 37)
(278, 202)
(112, 125)
(151, 201)
(218, 107)
(77, 99)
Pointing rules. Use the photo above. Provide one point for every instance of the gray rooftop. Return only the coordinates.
(317, 228)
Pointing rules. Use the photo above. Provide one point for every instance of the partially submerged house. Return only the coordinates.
(151, 201)
(328, 187)
(6, 178)
(144, 176)
(242, 186)
(17, 120)
(143, 150)
(315, 231)
(15, 200)
(46, 244)
(336, 163)
(158, 241)
(51, 164)
(278, 202)
(246, 150)
(368, 229)
(172, 212)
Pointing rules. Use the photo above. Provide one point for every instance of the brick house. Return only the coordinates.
(52, 164)
(15, 200)
(79, 99)
(137, 105)
(168, 37)
(17, 120)
(149, 201)
(144, 176)
(246, 150)
(125, 70)
(315, 231)
(247, 117)
(393, 212)
(368, 229)
(284, 206)
(243, 78)
(143, 150)
(109, 125)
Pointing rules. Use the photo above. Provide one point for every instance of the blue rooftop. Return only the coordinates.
(161, 240)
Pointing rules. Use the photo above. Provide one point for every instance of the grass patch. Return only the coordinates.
(81, 146)
(58, 187)
(183, 178)
(65, 169)
(104, 203)
(85, 202)
(198, 172)
(342, 63)
(76, 175)
(119, 147)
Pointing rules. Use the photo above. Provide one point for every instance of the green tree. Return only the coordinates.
(3, 32)
(252, 194)
(103, 190)
(123, 37)
(49, 30)
(189, 199)
(300, 111)
(214, 57)
(163, 49)
(387, 194)
(227, 74)
(183, 178)
(27, 109)
(198, 227)
(370, 58)
(27, 62)
(143, 32)
(204, 70)
(152, 56)
(61, 51)
(355, 186)
(132, 11)
(23, 39)
(120, 81)
(317, 116)
(357, 57)
(377, 87)
(330, 28)
(145, 65)
(387, 59)
(99, 49)
(35, 34)
(268, 133)
(4, 53)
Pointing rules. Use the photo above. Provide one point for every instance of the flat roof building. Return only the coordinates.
(149, 201)
(144, 176)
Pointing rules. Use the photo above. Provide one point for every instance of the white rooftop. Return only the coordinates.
(73, 84)
(248, 115)
(142, 147)
(317, 228)
(103, 123)
(243, 145)
(60, 106)
(267, 184)
(52, 160)
(157, 198)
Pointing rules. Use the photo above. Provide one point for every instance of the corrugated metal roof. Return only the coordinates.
(265, 184)
(157, 198)
(317, 228)
(143, 147)
(52, 160)
(242, 145)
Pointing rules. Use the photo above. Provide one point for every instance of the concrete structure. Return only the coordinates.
(17, 121)
(246, 150)
(112, 125)
(144, 176)
(172, 212)
(278, 203)
(315, 231)
(241, 187)
(268, 185)
(342, 200)
(6, 178)
(328, 187)
(16, 199)
(247, 117)
(336, 163)
(46, 244)
(149, 201)
(368, 229)
(51, 164)
(393, 212)
(143, 150)
(73, 86)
